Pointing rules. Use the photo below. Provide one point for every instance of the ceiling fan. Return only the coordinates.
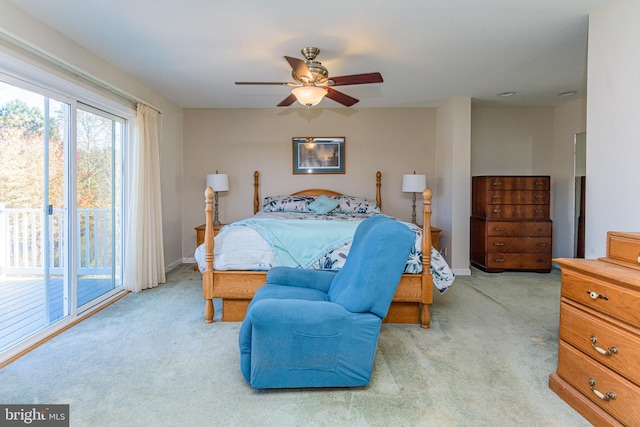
(312, 82)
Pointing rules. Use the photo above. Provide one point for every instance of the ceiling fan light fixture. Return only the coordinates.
(309, 95)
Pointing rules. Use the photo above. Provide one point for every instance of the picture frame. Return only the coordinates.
(316, 155)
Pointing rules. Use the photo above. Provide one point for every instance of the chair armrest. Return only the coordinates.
(300, 277)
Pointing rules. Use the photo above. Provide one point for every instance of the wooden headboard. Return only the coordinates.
(310, 192)
(316, 192)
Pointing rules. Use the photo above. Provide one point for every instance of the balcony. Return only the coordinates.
(31, 300)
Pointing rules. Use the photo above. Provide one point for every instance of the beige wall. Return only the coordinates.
(516, 141)
(569, 119)
(239, 141)
(449, 144)
(453, 166)
(613, 128)
(535, 141)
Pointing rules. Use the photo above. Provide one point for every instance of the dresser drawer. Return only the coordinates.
(592, 378)
(616, 301)
(595, 334)
(623, 248)
(513, 182)
(502, 197)
(517, 212)
(519, 228)
(519, 261)
(518, 244)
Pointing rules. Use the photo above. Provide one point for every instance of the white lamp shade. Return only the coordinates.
(309, 95)
(218, 181)
(414, 183)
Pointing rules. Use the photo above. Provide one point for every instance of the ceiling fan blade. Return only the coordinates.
(357, 79)
(287, 101)
(299, 67)
(340, 97)
(269, 83)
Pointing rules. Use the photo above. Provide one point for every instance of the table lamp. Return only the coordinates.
(218, 182)
(412, 183)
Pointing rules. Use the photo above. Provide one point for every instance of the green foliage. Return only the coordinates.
(22, 157)
(17, 114)
(22, 148)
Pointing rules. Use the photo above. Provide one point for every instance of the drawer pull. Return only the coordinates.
(498, 243)
(498, 260)
(539, 211)
(538, 196)
(542, 260)
(612, 350)
(609, 396)
(541, 230)
(497, 196)
(497, 210)
(595, 295)
(540, 183)
(542, 245)
(498, 228)
(497, 184)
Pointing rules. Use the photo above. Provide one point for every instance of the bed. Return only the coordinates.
(235, 282)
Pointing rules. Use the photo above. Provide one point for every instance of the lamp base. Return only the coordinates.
(413, 214)
(215, 209)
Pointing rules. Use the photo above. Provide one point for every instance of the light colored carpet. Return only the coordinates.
(150, 360)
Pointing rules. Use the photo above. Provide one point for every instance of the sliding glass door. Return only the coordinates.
(61, 178)
(34, 284)
(99, 200)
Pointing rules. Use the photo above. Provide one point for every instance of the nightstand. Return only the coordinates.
(200, 236)
(435, 237)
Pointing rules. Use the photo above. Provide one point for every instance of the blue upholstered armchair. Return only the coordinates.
(312, 328)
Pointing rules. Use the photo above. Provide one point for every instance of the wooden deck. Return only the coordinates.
(23, 304)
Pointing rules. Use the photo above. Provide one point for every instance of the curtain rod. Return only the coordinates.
(30, 48)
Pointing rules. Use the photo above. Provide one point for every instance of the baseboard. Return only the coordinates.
(462, 271)
(189, 260)
(168, 268)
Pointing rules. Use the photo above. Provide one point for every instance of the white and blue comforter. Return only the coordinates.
(305, 240)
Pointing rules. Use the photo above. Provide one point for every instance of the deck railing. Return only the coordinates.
(22, 241)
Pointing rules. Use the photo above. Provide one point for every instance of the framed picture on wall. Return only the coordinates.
(313, 154)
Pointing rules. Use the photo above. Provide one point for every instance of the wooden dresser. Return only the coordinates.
(510, 223)
(599, 347)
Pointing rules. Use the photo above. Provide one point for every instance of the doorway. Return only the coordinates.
(580, 176)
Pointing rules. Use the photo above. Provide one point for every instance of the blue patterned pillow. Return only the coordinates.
(323, 205)
(353, 204)
(287, 203)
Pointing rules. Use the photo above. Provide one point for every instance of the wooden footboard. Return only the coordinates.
(411, 302)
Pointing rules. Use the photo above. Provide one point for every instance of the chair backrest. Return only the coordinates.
(374, 266)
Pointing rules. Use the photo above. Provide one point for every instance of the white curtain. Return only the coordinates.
(144, 253)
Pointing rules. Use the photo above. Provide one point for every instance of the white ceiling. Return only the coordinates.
(193, 51)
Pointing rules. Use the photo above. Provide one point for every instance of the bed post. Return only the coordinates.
(427, 279)
(378, 198)
(256, 198)
(207, 275)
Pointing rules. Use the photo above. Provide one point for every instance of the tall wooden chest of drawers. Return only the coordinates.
(510, 224)
(599, 347)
